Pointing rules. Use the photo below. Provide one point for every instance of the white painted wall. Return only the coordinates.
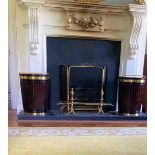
(13, 56)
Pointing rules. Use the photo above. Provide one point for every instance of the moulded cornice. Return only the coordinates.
(107, 9)
(31, 1)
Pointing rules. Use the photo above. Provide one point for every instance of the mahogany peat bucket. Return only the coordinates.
(130, 96)
(35, 92)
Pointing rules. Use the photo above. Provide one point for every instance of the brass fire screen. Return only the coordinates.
(84, 98)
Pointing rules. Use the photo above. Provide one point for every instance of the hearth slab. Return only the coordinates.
(57, 115)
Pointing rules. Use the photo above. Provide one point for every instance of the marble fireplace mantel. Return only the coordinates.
(37, 19)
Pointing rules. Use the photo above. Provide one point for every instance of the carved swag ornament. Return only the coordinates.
(85, 22)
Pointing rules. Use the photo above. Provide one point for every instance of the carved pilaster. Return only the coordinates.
(33, 29)
(138, 14)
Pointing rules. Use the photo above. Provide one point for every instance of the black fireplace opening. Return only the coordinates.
(80, 54)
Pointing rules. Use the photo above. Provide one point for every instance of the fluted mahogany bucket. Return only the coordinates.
(35, 92)
(130, 96)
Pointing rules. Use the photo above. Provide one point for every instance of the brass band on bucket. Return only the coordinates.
(34, 77)
(132, 80)
(36, 113)
(129, 114)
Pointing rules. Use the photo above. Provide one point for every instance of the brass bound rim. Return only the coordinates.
(36, 113)
(33, 73)
(34, 77)
(132, 80)
(129, 114)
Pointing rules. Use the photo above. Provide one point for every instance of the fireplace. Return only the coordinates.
(116, 23)
(86, 67)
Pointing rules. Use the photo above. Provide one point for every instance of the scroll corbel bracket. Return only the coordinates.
(136, 28)
(33, 30)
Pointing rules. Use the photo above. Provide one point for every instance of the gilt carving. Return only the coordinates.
(85, 22)
(141, 2)
(87, 1)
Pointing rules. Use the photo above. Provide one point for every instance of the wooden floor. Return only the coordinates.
(14, 122)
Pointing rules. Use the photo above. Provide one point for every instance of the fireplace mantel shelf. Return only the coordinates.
(107, 8)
